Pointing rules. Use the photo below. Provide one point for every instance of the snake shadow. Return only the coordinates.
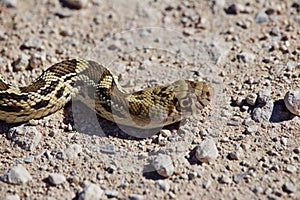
(85, 120)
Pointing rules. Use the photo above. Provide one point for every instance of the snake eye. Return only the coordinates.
(185, 102)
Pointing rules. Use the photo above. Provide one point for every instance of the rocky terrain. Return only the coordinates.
(245, 145)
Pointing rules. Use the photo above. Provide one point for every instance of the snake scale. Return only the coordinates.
(152, 107)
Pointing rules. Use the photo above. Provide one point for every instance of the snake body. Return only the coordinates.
(149, 108)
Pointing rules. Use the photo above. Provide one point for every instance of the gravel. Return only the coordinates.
(245, 49)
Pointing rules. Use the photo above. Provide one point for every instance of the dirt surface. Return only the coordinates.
(248, 50)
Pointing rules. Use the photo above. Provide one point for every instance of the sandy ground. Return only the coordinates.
(248, 50)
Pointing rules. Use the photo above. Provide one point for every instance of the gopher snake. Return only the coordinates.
(149, 108)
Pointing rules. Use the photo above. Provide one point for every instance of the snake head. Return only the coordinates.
(191, 96)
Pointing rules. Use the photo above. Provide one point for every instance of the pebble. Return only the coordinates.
(17, 175)
(231, 9)
(109, 149)
(91, 192)
(9, 3)
(206, 184)
(261, 17)
(225, 179)
(26, 137)
(188, 31)
(292, 101)
(263, 97)
(236, 154)
(163, 165)
(165, 132)
(291, 169)
(56, 179)
(28, 159)
(163, 185)
(37, 59)
(207, 151)
(297, 19)
(33, 42)
(11, 197)
(75, 4)
(21, 63)
(251, 129)
(251, 99)
(263, 114)
(72, 151)
(63, 13)
(135, 197)
(246, 57)
(111, 193)
(289, 187)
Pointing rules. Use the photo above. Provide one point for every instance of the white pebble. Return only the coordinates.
(163, 165)
(292, 101)
(72, 151)
(17, 175)
(56, 179)
(207, 151)
(91, 192)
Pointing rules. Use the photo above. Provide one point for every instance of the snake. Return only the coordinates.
(152, 107)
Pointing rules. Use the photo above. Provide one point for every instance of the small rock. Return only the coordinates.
(251, 129)
(135, 197)
(10, 197)
(163, 165)
(246, 57)
(163, 185)
(192, 175)
(206, 184)
(109, 149)
(233, 123)
(251, 99)
(111, 193)
(206, 151)
(188, 31)
(56, 179)
(75, 4)
(21, 63)
(145, 64)
(17, 175)
(236, 154)
(91, 192)
(225, 179)
(258, 190)
(263, 97)
(32, 42)
(291, 169)
(28, 159)
(261, 17)
(26, 137)
(231, 9)
(63, 13)
(165, 132)
(289, 187)
(37, 60)
(72, 151)
(9, 3)
(292, 101)
(297, 19)
(263, 114)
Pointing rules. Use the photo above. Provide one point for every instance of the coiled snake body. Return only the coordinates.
(149, 108)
